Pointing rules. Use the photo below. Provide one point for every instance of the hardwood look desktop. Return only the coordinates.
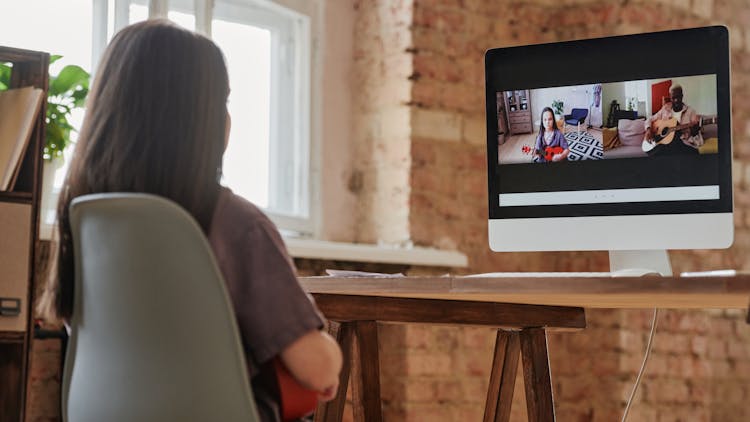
(523, 309)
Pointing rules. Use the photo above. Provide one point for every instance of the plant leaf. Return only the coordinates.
(69, 78)
(5, 71)
(79, 97)
(54, 57)
(55, 135)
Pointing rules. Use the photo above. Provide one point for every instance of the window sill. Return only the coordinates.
(320, 249)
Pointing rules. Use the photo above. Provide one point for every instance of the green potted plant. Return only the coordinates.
(67, 92)
(557, 106)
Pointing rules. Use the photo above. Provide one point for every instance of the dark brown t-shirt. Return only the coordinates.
(272, 309)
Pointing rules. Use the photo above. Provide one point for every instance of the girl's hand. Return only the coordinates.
(329, 393)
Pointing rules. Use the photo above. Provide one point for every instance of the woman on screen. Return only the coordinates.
(550, 144)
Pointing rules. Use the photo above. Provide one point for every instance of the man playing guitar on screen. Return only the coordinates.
(673, 115)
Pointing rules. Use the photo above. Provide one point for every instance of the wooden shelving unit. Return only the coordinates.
(19, 218)
(518, 109)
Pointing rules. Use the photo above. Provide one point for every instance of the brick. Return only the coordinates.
(717, 348)
(722, 327)
(419, 390)
(426, 93)
(605, 318)
(699, 345)
(445, 338)
(422, 153)
(672, 343)
(475, 363)
(736, 37)
(738, 350)
(641, 412)
(742, 368)
(672, 391)
(576, 389)
(474, 389)
(468, 413)
(474, 130)
(427, 364)
(721, 369)
(680, 366)
(418, 336)
(424, 412)
(471, 159)
(631, 342)
(436, 124)
(703, 8)
(700, 393)
(477, 337)
(639, 319)
(656, 366)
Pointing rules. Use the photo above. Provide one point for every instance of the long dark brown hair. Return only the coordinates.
(155, 123)
(541, 122)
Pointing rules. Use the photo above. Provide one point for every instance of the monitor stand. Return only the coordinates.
(639, 263)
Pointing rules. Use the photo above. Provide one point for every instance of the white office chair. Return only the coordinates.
(153, 334)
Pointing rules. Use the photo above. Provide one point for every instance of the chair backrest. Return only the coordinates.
(579, 113)
(153, 336)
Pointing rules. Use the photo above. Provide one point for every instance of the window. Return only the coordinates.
(267, 48)
(269, 56)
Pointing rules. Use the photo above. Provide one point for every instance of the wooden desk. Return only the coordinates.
(521, 308)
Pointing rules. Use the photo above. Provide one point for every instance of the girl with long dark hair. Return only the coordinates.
(157, 123)
(550, 143)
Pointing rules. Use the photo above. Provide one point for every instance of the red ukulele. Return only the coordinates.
(296, 400)
(550, 152)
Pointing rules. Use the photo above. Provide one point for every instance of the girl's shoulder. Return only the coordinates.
(236, 214)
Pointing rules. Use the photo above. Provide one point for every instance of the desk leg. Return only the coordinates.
(536, 375)
(332, 411)
(503, 377)
(366, 373)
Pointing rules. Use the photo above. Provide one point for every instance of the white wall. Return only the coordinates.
(337, 219)
(699, 92)
(613, 91)
(571, 96)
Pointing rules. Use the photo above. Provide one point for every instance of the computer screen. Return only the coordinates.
(619, 143)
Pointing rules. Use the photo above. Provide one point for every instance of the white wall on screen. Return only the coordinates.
(699, 92)
(572, 97)
(621, 91)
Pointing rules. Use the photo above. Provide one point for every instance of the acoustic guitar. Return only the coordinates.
(665, 130)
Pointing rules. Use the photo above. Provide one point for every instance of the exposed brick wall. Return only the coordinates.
(693, 374)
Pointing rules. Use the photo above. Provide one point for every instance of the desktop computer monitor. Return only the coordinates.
(620, 143)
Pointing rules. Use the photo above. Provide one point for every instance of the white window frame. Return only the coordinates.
(291, 187)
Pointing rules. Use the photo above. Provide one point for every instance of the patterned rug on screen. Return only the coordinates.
(585, 147)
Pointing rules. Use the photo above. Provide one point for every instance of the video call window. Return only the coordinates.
(631, 119)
